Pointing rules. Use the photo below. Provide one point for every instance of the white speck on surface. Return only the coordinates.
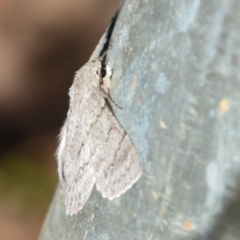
(162, 84)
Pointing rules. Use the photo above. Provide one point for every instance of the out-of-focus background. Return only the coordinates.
(42, 44)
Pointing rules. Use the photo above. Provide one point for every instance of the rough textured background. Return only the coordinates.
(176, 74)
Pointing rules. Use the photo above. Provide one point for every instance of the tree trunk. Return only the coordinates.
(176, 74)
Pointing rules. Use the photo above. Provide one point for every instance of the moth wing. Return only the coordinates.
(79, 189)
(116, 162)
(76, 147)
(75, 170)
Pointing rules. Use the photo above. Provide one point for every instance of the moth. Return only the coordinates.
(93, 147)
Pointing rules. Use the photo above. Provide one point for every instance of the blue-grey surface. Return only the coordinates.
(176, 74)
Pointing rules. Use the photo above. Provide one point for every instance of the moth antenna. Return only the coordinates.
(108, 97)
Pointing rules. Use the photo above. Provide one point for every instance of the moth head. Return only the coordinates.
(101, 72)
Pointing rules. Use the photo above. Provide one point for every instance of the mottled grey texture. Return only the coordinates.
(94, 148)
(176, 75)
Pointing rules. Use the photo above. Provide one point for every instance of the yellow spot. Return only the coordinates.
(164, 160)
(154, 66)
(134, 81)
(163, 125)
(224, 105)
(188, 226)
(134, 214)
(138, 100)
(155, 196)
